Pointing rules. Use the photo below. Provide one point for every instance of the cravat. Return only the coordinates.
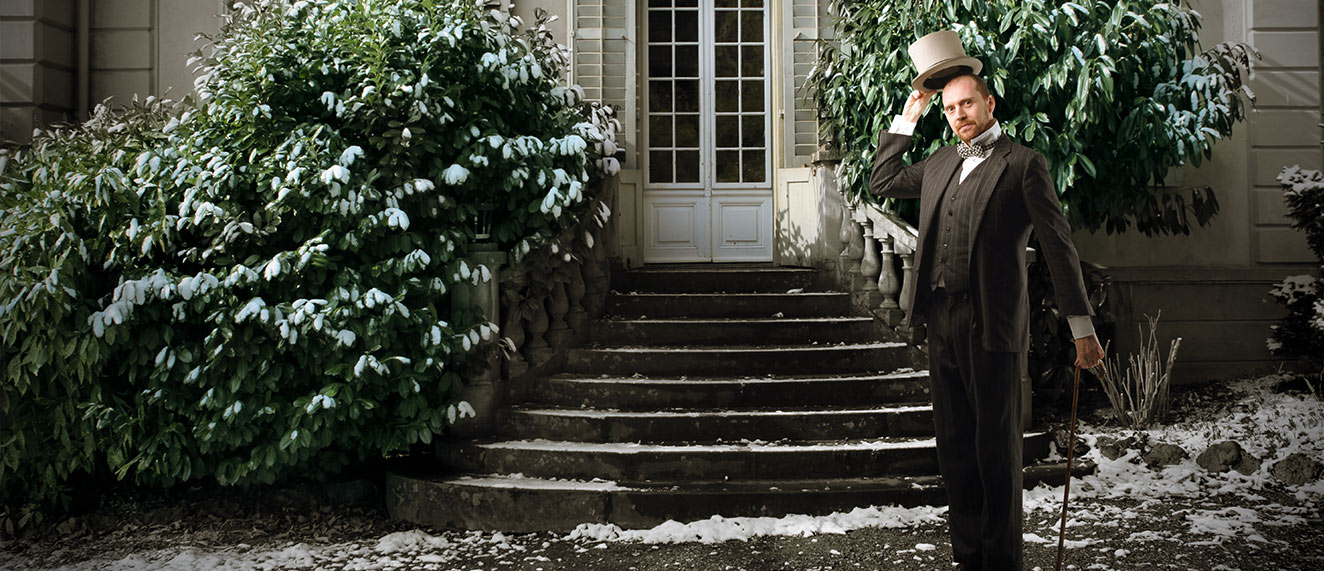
(970, 151)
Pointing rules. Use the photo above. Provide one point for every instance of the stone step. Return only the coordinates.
(718, 305)
(715, 279)
(525, 504)
(745, 331)
(734, 361)
(592, 425)
(661, 393)
(686, 462)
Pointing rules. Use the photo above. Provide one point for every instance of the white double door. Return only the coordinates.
(707, 163)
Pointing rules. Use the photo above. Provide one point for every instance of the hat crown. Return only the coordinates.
(938, 57)
(936, 48)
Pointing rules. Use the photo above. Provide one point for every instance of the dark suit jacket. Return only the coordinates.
(1016, 197)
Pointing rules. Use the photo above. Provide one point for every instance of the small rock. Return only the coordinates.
(1165, 455)
(1297, 469)
(1249, 464)
(70, 526)
(1112, 448)
(1060, 438)
(1225, 456)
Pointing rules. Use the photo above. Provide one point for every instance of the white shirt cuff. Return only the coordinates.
(1081, 326)
(901, 126)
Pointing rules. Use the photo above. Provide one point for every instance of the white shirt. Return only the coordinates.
(1081, 325)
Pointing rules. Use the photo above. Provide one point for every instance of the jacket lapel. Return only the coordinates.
(993, 167)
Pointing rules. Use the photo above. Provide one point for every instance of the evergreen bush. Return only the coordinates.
(254, 283)
(1300, 334)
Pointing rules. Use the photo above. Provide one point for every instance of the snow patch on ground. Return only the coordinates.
(718, 529)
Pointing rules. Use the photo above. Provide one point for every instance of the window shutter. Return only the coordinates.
(604, 64)
(809, 22)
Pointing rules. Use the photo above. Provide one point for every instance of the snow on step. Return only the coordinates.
(541, 445)
(758, 349)
(606, 414)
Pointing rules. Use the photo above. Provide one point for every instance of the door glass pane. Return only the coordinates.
(687, 131)
(687, 61)
(727, 3)
(687, 166)
(751, 95)
(751, 132)
(728, 131)
(725, 24)
(687, 96)
(751, 61)
(659, 26)
(726, 62)
(752, 168)
(727, 95)
(751, 26)
(687, 26)
(659, 96)
(659, 131)
(659, 167)
(659, 61)
(752, 3)
(728, 166)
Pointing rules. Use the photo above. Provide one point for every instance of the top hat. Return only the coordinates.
(939, 57)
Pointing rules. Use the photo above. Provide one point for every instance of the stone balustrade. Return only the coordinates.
(542, 304)
(878, 260)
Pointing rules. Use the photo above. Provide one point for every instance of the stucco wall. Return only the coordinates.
(1281, 129)
(37, 65)
(137, 48)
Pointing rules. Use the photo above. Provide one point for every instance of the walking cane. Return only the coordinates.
(1071, 450)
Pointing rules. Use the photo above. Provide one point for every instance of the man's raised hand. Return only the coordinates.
(916, 104)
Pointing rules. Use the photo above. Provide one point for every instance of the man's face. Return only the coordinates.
(967, 110)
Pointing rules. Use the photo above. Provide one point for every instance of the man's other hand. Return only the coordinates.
(1088, 352)
(916, 104)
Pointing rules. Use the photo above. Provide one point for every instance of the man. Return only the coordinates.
(979, 201)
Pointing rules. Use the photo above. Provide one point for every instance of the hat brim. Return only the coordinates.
(938, 74)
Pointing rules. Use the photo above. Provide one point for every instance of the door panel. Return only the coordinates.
(742, 226)
(676, 226)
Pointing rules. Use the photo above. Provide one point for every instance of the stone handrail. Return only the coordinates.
(878, 260)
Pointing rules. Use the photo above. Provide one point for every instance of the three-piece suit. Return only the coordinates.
(971, 294)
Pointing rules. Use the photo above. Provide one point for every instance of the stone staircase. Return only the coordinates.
(737, 390)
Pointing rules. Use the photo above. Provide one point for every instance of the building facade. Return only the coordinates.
(720, 139)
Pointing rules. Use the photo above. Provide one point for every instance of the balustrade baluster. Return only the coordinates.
(536, 351)
(907, 277)
(558, 305)
(869, 265)
(889, 284)
(577, 317)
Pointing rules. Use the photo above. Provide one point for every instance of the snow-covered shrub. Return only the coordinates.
(1300, 335)
(255, 283)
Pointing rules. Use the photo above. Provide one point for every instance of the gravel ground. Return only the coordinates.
(1255, 527)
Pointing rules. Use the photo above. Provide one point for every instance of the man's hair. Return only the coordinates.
(980, 84)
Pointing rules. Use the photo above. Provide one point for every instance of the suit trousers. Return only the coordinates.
(977, 417)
